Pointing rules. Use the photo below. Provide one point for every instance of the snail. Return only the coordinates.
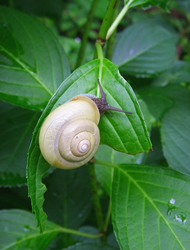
(69, 136)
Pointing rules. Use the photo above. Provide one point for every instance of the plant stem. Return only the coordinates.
(109, 164)
(118, 19)
(85, 34)
(71, 231)
(107, 216)
(108, 28)
(101, 57)
(99, 51)
(111, 41)
(99, 54)
(107, 21)
(96, 201)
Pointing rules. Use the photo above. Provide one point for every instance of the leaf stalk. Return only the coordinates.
(107, 21)
(118, 19)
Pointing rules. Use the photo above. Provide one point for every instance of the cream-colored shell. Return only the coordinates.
(69, 136)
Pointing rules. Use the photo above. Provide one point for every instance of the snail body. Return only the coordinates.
(69, 136)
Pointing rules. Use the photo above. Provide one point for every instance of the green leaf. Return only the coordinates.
(36, 168)
(175, 119)
(33, 63)
(178, 73)
(16, 126)
(157, 100)
(150, 207)
(111, 240)
(149, 119)
(184, 4)
(175, 131)
(44, 8)
(105, 155)
(145, 49)
(156, 157)
(73, 202)
(164, 4)
(89, 230)
(123, 132)
(18, 231)
(92, 246)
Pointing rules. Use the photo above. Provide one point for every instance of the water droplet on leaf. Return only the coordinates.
(181, 218)
(26, 228)
(171, 206)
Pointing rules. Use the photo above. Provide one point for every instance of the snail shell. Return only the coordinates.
(69, 136)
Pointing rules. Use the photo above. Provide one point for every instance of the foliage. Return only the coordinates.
(139, 198)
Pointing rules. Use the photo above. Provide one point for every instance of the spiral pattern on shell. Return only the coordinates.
(69, 136)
